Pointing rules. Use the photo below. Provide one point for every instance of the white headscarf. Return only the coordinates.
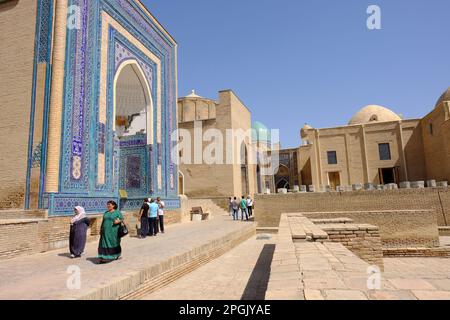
(81, 214)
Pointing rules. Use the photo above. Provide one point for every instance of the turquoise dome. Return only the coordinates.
(260, 132)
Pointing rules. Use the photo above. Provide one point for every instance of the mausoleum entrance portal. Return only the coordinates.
(133, 131)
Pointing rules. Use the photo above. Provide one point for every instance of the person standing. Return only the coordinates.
(149, 200)
(243, 206)
(144, 219)
(153, 216)
(161, 205)
(109, 248)
(235, 208)
(230, 206)
(78, 229)
(250, 206)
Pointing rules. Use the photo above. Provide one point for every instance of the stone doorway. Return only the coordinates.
(388, 175)
(334, 179)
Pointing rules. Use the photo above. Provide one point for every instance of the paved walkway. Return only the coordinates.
(44, 276)
(416, 278)
(242, 273)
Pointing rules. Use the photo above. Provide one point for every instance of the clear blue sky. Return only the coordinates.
(311, 61)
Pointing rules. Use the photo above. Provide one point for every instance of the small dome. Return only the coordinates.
(304, 130)
(374, 113)
(445, 97)
(260, 132)
(193, 95)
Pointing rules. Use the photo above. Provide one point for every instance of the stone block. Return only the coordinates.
(345, 295)
(283, 191)
(312, 188)
(405, 185)
(357, 187)
(442, 184)
(303, 188)
(418, 184)
(431, 184)
(296, 189)
(369, 186)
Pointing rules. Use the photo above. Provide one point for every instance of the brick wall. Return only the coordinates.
(269, 207)
(23, 214)
(362, 239)
(443, 252)
(18, 238)
(18, 26)
(397, 228)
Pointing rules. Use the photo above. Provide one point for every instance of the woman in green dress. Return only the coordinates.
(109, 247)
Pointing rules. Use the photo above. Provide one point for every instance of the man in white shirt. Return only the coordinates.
(161, 213)
(250, 206)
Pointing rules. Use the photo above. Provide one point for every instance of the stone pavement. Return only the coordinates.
(417, 278)
(242, 273)
(44, 276)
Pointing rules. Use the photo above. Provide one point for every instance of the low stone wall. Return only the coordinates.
(23, 214)
(398, 229)
(417, 252)
(18, 238)
(311, 270)
(444, 231)
(268, 208)
(361, 239)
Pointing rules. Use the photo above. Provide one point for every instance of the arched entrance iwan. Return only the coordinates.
(133, 132)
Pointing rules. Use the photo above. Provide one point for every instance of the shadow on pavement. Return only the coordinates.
(257, 284)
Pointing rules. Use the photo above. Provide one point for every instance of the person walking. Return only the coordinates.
(153, 216)
(250, 206)
(230, 206)
(235, 208)
(144, 219)
(78, 230)
(243, 206)
(161, 205)
(109, 248)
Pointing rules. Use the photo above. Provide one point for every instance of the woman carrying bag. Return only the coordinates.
(112, 229)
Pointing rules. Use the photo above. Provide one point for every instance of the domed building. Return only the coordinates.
(377, 147)
(373, 113)
(261, 133)
(262, 143)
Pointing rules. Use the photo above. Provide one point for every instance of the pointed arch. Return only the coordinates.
(146, 90)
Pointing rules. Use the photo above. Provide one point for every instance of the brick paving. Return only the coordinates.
(423, 278)
(242, 273)
(44, 276)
